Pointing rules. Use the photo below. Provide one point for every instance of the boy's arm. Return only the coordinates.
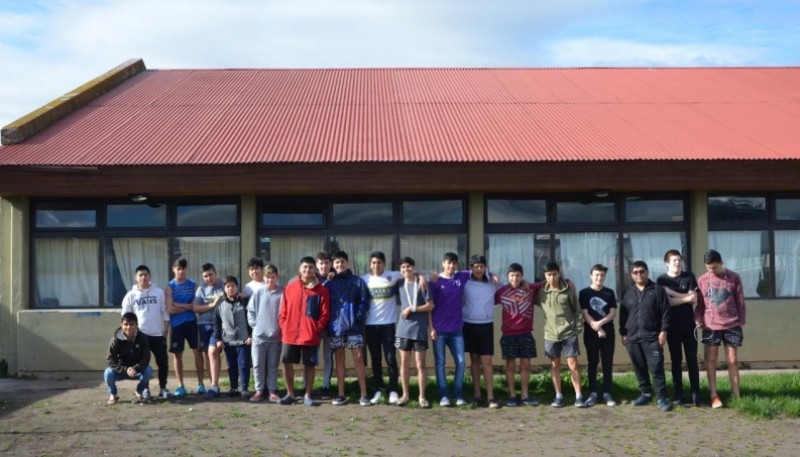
(112, 357)
(282, 313)
(700, 311)
(324, 310)
(573, 297)
(430, 325)
(252, 307)
(217, 332)
(164, 314)
(739, 296)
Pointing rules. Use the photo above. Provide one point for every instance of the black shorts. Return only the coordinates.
(186, 331)
(291, 353)
(518, 346)
(479, 338)
(732, 337)
(404, 344)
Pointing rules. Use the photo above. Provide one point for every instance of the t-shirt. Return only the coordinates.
(383, 305)
(448, 297)
(416, 326)
(682, 315)
(182, 293)
(208, 294)
(479, 301)
(251, 287)
(598, 303)
(517, 306)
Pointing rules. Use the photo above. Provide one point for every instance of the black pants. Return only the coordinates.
(597, 350)
(158, 346)
(648, 357)
(382, 337)
(681, 339)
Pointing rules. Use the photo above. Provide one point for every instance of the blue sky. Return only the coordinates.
(49, 47)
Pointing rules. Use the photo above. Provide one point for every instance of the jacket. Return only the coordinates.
(349, 304)
(644, 314)
(304, 314)
(230, 321)
(263, 311)
(563, 318)
(123, 354)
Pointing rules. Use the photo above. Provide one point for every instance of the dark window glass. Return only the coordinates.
(433, 212)
(645, 210)
(65, 218)
(136, 216)
(787, 209)
(736, 208)
(516, 211)
(577, 212)
(362, 214)
(207, 216)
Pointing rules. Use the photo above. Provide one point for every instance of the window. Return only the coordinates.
(433, 212)
(588, 213)
(639, 209)
(362, 214)
(84, 253)
(758, 236)
(501, 211)
(292, 212)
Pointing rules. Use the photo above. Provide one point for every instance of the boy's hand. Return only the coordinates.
(248, 341)
(434, 277)
(601, 333)
(220, 345)
(131, 372)
(433, 334)
(406, 312)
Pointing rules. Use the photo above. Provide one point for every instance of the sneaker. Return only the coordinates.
(257, 397)
(716, 403)
(364, 401)
(461, 402)
(444, 402)
(642, 400)
(339, 401)
(112, 400)
(530, 401)
(308, 401)
(558, 402)
(274, 398)
(146, 394)
(424, 404)
(697, 399)
(579, 403)
(137, 398)
(493, 404)
(201, 389)
(609, 400)
(234, 393)
(592, 400)
(677, 400)
(180, 392)
(377, 397)
(511, 402)
(663, 404)
(211, 394)
(325, 393)
(246, 394)
(393, 398)
(164, 393)
(287, 400)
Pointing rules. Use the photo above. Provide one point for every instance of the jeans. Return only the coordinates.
(239, 363)
(649, 356)
(382, 337)
(111, 377)
(454, 341)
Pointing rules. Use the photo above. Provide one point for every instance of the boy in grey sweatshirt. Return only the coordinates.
(262, 315)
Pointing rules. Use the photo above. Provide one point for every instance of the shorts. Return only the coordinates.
(347, 341)
(206, 330)
(518, 346)
(291, 353)
(186, 331)
(732, 337)
(479, 338)
(405, 344)
(566, 348)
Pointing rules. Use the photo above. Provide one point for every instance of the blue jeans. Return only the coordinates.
(240, 360)
(454, 341)
(111, 377)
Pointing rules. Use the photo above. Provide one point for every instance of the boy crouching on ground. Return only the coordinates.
(128, 358)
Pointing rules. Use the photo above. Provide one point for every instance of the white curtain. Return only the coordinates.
(67, 272)
(579, 251)
(787, 263)
(359, 247)
(221, 251)
(741, 252)
(428, 250)
(286, 252)
(132, 252)
(505, 249)
(651, 247)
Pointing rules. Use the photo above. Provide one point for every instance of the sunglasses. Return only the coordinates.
(638, 272)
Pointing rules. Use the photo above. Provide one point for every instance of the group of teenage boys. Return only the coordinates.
(327, 309)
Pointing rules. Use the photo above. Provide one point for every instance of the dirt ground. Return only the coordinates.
(69, 417)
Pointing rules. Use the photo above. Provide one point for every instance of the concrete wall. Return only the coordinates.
(14, 235)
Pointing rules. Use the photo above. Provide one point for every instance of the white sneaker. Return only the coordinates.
(377, 397)
(393, 398)
(146, 394)
(444, 401)
(164, 393)
(461, 402)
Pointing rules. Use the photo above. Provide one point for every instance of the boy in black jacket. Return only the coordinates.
(128, 358)
(643, 323)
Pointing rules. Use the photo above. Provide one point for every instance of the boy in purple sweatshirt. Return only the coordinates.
(721, 314)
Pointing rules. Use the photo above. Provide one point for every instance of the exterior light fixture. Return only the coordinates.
(601, 193)
(138, 198)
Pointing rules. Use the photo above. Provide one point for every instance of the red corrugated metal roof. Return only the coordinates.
(163, 117)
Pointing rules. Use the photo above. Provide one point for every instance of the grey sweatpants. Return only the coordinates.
(266, 358)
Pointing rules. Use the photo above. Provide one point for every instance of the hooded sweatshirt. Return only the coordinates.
(350, 298)
(304, 313)
(150, 308)
(562, 313)
(479, 301)
(230, 321)
(123, 353)
(263, 311)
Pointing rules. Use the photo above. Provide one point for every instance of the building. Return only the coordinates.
(579, 165)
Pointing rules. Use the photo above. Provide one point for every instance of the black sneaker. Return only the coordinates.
(642, 400)
(663, 404)
(697, 400)
(234, 393)
(325, 393)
